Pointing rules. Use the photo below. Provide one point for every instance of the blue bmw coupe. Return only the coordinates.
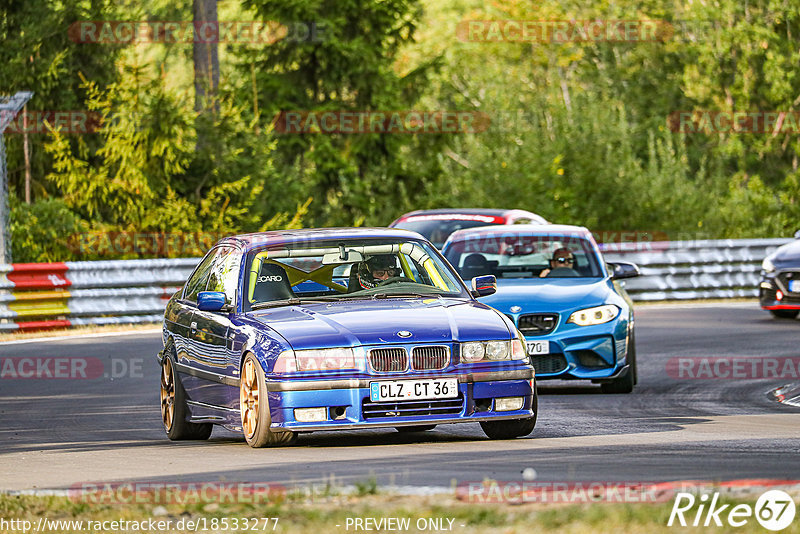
(552, 282)
(280, 333)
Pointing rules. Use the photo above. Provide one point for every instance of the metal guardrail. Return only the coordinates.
(37, 296)
(686, 270)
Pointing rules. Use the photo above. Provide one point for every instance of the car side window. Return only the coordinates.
(199, 278)
(224, 273)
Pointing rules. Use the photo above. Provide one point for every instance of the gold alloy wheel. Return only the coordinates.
(167, 394)
(248, 398)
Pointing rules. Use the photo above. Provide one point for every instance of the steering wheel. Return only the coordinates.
(392, 280)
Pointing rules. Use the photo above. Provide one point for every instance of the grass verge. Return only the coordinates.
(330, 512)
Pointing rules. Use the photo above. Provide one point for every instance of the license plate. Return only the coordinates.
(538, 347)
(400, 390)
(794, 286)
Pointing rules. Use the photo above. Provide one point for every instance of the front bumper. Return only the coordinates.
(776, 284)
(349, 407)
(597, 353)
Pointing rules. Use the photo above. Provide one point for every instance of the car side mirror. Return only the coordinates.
(484, 285)
(211, 301)
(622, 269)
(797, 234)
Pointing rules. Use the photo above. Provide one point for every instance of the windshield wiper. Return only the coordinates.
(405, 294)
(291, 302)
(319, 300)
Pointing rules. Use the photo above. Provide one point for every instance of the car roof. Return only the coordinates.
(489, 212)
(524, 229)
(455, 211)
(278, 237)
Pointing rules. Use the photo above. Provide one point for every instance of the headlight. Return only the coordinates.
(325, 359)
(316, 360)
(767, 265)
(493, 350)
(472, 352)
(596, 315)
(497, 350)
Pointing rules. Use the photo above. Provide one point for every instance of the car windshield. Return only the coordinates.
(524, 256)
(347, 269)
(437, 227)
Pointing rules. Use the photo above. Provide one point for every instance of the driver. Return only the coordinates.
(377, 269)
(561, 264)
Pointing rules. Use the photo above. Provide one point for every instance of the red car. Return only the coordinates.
(437, 225)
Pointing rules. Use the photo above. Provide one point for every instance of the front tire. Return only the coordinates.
(785, 314)
(515, 428)
(174, 411)
(254, 408)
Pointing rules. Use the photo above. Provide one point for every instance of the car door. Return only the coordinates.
(219, 367)
(182, 318)
(193, 361)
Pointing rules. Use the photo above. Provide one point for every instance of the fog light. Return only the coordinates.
(508, 404)
(779, 295)
(311, 415)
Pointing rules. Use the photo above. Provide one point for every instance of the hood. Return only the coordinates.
(372, 322)
(549, 294)
(787, 255)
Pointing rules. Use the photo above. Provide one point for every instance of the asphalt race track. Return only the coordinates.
(55, 433)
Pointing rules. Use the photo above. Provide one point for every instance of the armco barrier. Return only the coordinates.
(37, 296)
(684, 270)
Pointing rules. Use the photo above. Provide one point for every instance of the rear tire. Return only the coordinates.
(512, 429)
(254, 408)
(174, 412)
(785, 314)
(415, 428)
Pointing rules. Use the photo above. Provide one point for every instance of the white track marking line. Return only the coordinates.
(86, 336)
(642, 306)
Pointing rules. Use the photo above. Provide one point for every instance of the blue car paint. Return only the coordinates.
(563, 296)
(211, 353)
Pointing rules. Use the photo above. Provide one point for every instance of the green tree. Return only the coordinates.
(141, 178)
(40, 54)
(347, 64)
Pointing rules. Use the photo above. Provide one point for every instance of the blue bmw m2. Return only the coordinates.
(569, 304)
(281, 333)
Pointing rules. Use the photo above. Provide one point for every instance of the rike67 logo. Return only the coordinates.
(774, 510)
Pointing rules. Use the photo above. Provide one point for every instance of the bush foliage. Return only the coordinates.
(578, 133)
